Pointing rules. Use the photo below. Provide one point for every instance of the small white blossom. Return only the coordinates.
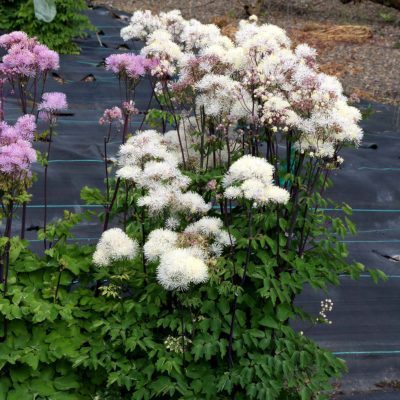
(251, 178)
(179, 268)
(114, 245)
(159, 242)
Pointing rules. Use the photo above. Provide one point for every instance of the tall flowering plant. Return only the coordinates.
(225, 224)
(213, 224)
(26, 65)
(16, 157)
(24, 69)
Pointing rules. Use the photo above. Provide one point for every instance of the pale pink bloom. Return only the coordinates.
(110, 115)
(130, 65)
(53, 102)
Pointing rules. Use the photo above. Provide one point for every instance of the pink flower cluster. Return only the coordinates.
(16, 152)
(52, 103)
(130, 65)
(110, 115)
(26, 56)
(130, 108)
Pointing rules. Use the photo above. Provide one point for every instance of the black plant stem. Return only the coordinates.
(22, 95)
(176, 124)
(106, 140)
(126, 124)
(234, 306)
(41, 92)
(203, 129)
(106, 169)
(304, 236)
(34, 94)
(126, 205)
(110, 206)
(295, 195)
(46, 167)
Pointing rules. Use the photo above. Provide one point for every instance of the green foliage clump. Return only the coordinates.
(74, 331)
(69, 23)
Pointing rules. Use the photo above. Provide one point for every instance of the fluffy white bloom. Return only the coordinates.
(173, 22)
(208, 226)
(180, 268)
(131, 32)
(130, 173)
(304, 76)
(221, 95)
(303, 50)
(247, 29)
(249, 167)
(160, 44)
(159, 242)
(227, 75)
(143, 146)
(172, 223)
(276, 110)
(196, 35)
(193, 202)
(146, 161)
(236, 57)
(114, 245)
(159, 198)
(212, 229)
(142, 24)
(251, 178)
(329, 85)
(277, 195)
(232, 192)
(156, 172)
(266, 38)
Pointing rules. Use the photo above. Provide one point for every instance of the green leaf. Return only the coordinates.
(377, 274)
(347, 209)
(32, 359)
(66, 382)
(269, 321)
(284, 312)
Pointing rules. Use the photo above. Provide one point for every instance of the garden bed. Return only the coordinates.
(77, 159)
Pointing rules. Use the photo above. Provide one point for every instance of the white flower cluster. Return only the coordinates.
(159, 46)
(146, 161)
(150, 162)
(114, 245)
(252, 178)
(141, 25)
(179, 268)
(176, 344)
(184, 256)
(258, 78)
(222, 96)
(326, 306)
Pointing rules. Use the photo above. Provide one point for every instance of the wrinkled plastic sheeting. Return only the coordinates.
(45, 10)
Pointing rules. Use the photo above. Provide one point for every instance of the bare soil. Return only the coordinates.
(360, 42)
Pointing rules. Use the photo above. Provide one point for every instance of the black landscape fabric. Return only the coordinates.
(366, 317)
